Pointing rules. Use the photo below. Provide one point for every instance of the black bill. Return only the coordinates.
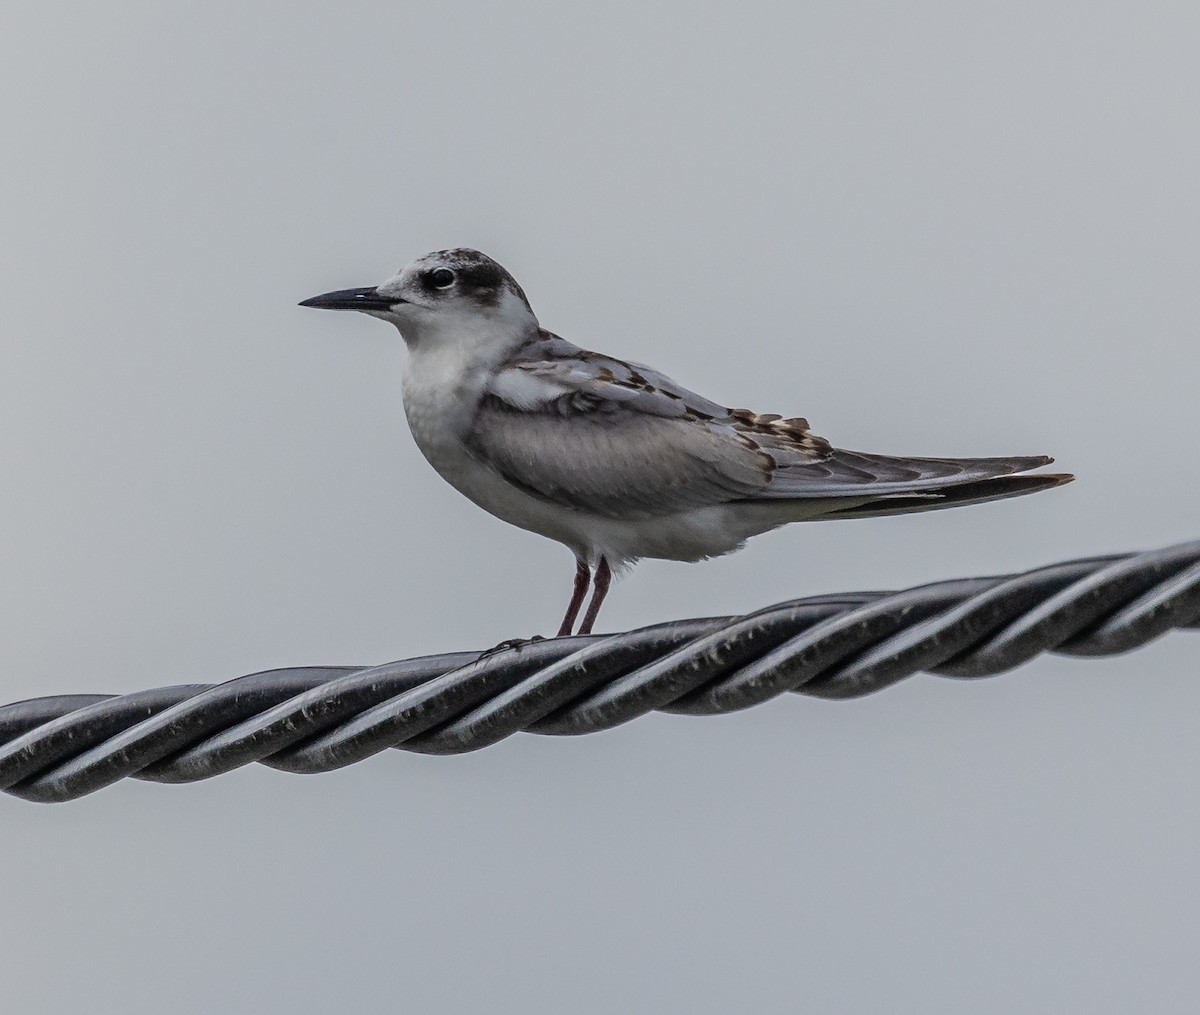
(352, 299)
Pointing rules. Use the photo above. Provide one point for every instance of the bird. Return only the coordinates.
(612, 458)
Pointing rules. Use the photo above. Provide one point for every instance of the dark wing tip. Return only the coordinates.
(1008, 486)
(978, 492)
(1060, 478)
(1024, 464)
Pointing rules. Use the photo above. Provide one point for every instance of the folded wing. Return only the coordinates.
(612, 438)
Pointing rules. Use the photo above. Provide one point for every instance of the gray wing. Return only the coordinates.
(856, 473)
(590, 432)
(614, 461)
(554, 360)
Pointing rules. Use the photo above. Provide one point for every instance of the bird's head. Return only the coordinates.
(447, 297)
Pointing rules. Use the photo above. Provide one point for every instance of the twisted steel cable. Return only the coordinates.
(318, 718)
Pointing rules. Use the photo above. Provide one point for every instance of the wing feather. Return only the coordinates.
(853, 473)
(597, 434)
(612, 460)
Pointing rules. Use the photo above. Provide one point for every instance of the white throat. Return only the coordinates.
(452, 352)
(484, 333)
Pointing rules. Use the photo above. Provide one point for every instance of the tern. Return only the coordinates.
(611, 458)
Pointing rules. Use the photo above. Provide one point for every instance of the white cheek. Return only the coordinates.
(514, 313)
(408, 317)
(382, 315)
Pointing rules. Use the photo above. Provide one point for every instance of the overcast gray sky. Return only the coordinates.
(940, 228)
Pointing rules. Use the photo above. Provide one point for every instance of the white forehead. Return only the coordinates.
(456, 259)
(482, 315)
(427, 262)
(479, 278)
(436, 259)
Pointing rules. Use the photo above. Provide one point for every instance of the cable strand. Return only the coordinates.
(320, 718)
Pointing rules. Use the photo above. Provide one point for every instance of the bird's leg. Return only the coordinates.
(603, 578)
(583, 575)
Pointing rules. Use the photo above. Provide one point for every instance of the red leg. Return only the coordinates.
(582, 575)
(603, 579)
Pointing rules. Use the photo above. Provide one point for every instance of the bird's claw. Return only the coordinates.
(511, 643)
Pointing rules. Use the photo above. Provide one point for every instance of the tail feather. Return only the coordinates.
(977, 492)
(855, 474)
(857, 485)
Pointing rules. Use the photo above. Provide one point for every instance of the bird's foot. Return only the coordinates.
(511, 643)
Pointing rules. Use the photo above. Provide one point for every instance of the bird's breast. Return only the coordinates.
(440, 400)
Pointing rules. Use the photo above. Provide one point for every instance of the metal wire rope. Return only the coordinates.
(316, 719)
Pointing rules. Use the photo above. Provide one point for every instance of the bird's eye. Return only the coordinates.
(441, 278)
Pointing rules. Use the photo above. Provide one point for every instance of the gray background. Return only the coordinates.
(936, 228)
